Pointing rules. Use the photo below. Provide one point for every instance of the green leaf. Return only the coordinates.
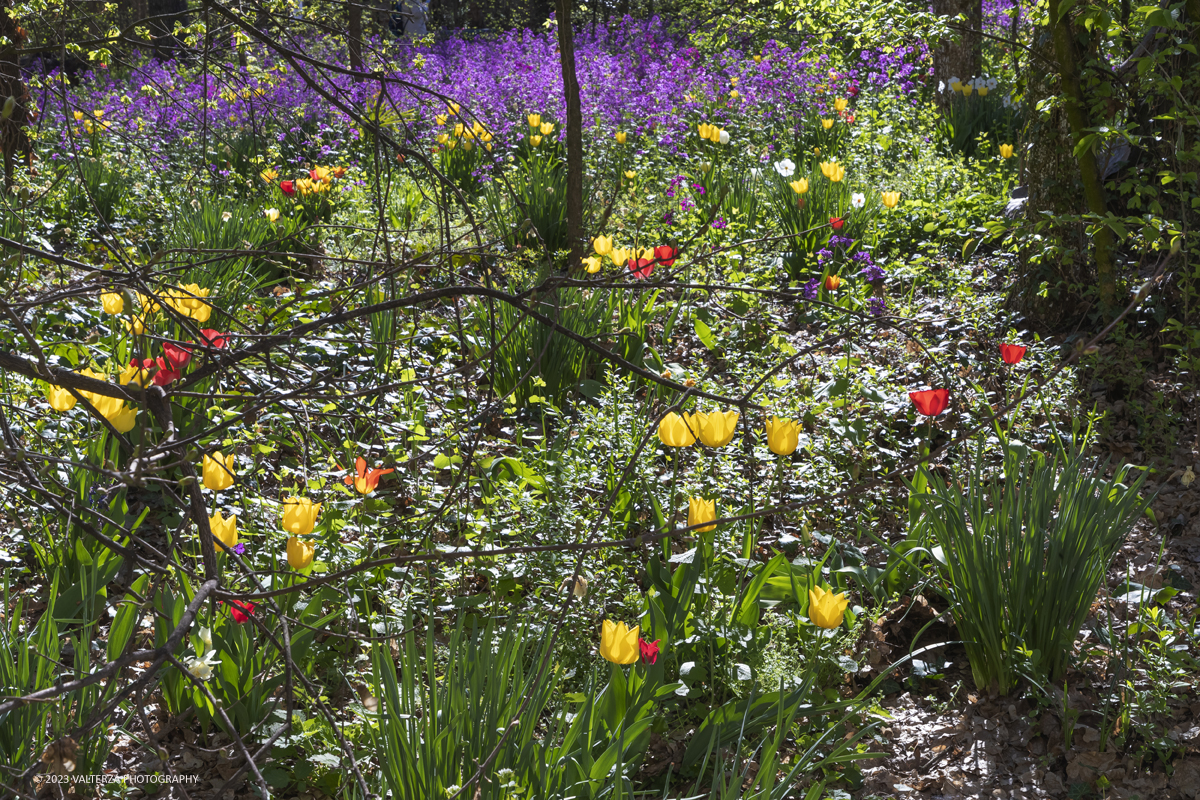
(705, 334)
(122, 627)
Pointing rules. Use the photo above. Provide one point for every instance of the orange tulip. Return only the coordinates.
(367, 479)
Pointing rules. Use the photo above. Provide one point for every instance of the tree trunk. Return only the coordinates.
(566, 54)
(14, 99)
(962, 59)
(354, 30)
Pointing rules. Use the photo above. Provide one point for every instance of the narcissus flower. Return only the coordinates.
(1012, 353)
(826, 609)
(890, 199)
(783, 435)
(240, 610)
(300, 515)
(832, 282)
(786, 167)
(224, 530)
(800, 186)
(217, 471)
(620, 137)
(1006, 151)
(649, 650)
(930, 402)
(618, 643)
(678, 431)
(858, 199)
(717, 428)
(701, 511)
(299, 553)
(60, 399)
(365, 481)
(112, 302)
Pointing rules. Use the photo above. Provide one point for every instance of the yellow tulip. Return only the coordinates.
(826, 124)
(272, 214)
(629, 174)
(890, 199)
(677, 431)
(453, 107)
(217, 470)
(458, 130)
(700, 511)
(646, 253)
(440, 119)
(826, 609)
(135, 374)
(1006, 151)
(800, 186)
(620, 137)
(443, 138)
(603, 245)
(268, 175)
(535, 121)
(838, 173)
(60, 399)
(983, 90)
(827, 168)
(618, 643)
(224, 530)
(546, 129)
(967, 89)
(703, 129)
(620, 255)
(758, 59)
(92, 397)
(734, 94)
(299, 553)
(783, 435)
(300, 515)
(112, 302)
(592, 264)
(840, 104)
(535, 140)
(320, 173)
(716, 429)
(135, 325)
(119, 415)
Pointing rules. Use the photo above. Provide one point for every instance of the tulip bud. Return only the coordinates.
(10, 105)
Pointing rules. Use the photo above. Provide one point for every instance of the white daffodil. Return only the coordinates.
(786, 167)
(858, 199)
(205, 635)
(992, 83)
(202, 666)
(755, 172)
(724, 136)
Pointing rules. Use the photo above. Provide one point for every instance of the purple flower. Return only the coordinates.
(812, 288)
(239, 548)
(719, 223)
(872, 273)
(877, 305)
(824, 255)
(840, 241)
(668, 218)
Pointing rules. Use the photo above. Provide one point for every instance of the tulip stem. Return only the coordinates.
(665, 542)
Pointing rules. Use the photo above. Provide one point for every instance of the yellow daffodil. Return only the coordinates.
(1006, 151)
(800, 186)
(677, 431)
(224, 531)
(300, 515)
(546, 129)
(592, 264)
(112, 302)
(603, 245)
(783, 435)
(620, 137)
(890, 199)
(60, 399)
(535, 121)
(700, 511)
(826, 609)
(716, 429)
(299, 553)
(840, 104)
(826, 124)
(218, 471)
(618, 643)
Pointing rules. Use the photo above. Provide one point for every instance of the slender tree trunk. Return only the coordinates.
(1089, 174)
(566, 53)
(14, 98)
(354, 30)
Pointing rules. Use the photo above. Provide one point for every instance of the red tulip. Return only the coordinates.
(665, 254)
(836, 223)
(649, 650)
(287, 187)
(179, 356)
(1012, 353)
(165, 373)
(930, 402)
(241, 611)
(641, 268)
(213, 338)
(367, 479)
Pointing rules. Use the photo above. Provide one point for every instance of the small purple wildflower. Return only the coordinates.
(840, 241)
(719, 223)
(812, 288)
(872, 273)
(824, 255)
(239, 548)
(877, 305)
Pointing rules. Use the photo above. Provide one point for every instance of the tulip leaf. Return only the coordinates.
(705, 334)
